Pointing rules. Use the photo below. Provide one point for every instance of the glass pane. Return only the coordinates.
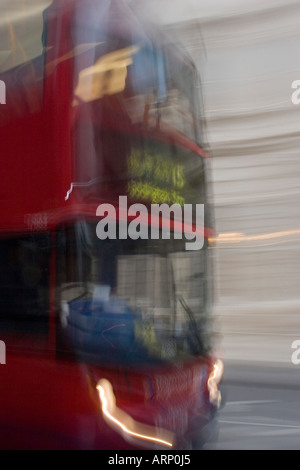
(130, 300)
(24, 288)
(21, 29)
(22, 41)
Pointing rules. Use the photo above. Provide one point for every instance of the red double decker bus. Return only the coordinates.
(108, 335)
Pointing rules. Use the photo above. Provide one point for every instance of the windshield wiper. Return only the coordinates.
(196, 346)
(194, 339)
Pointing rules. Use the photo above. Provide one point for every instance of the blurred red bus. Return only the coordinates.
(108, 342)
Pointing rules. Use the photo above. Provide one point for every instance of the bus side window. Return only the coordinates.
(21, 60)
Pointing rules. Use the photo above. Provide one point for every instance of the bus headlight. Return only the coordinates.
(130, 429)
(213, 381)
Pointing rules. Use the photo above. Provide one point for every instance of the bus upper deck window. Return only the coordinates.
(21, 54)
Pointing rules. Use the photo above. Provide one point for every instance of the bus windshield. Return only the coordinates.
(130, 300)
(122, 77)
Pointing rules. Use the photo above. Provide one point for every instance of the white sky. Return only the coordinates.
(170, 11)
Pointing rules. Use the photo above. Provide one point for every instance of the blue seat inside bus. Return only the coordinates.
(96, 324)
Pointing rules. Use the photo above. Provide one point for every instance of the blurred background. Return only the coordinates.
(248, 55)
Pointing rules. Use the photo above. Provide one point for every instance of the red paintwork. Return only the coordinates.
(53, 404)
